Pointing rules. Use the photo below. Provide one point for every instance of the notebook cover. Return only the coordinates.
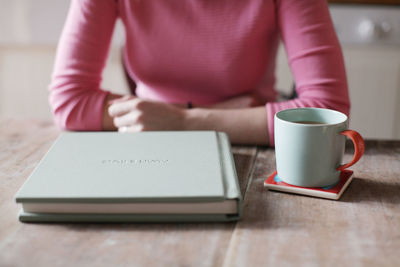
(110, 167)
(273, 182)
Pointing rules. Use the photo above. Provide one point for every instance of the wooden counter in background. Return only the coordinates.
(277, 229)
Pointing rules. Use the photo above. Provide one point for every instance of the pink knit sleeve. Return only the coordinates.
(75, 95)
(315, 58)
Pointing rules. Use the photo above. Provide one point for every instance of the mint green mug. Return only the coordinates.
(309, 146)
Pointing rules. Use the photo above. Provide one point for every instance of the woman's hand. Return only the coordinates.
(133, 114)
(244, 125)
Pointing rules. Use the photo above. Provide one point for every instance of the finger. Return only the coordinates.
(130, 129)
(122, 107)
(120, 99)
(123, 129)
(129, 119)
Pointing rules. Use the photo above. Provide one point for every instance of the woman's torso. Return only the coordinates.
(200, 51)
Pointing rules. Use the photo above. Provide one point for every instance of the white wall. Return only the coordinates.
(29, 32)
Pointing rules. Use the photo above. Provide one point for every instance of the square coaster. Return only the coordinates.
(335, 191)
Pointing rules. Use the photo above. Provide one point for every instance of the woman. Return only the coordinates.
(218, 56)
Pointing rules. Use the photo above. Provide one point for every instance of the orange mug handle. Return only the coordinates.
(359, 148)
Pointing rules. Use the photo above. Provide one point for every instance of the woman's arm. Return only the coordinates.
(244, 126)
(75, 95)
(315, 58)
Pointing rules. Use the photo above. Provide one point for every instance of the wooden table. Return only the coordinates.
(277, 229)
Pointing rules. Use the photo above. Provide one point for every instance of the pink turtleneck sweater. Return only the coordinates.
(200, 51)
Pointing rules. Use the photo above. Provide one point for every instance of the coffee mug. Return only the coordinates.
(309, 146)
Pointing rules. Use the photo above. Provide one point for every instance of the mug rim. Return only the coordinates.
(279, 113)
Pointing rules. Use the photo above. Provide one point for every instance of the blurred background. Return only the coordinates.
(369, 31)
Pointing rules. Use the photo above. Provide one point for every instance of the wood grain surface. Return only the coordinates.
(277, 229)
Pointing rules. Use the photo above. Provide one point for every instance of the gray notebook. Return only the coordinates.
(143, 177)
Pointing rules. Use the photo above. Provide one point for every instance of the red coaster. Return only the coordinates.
(335, 191)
